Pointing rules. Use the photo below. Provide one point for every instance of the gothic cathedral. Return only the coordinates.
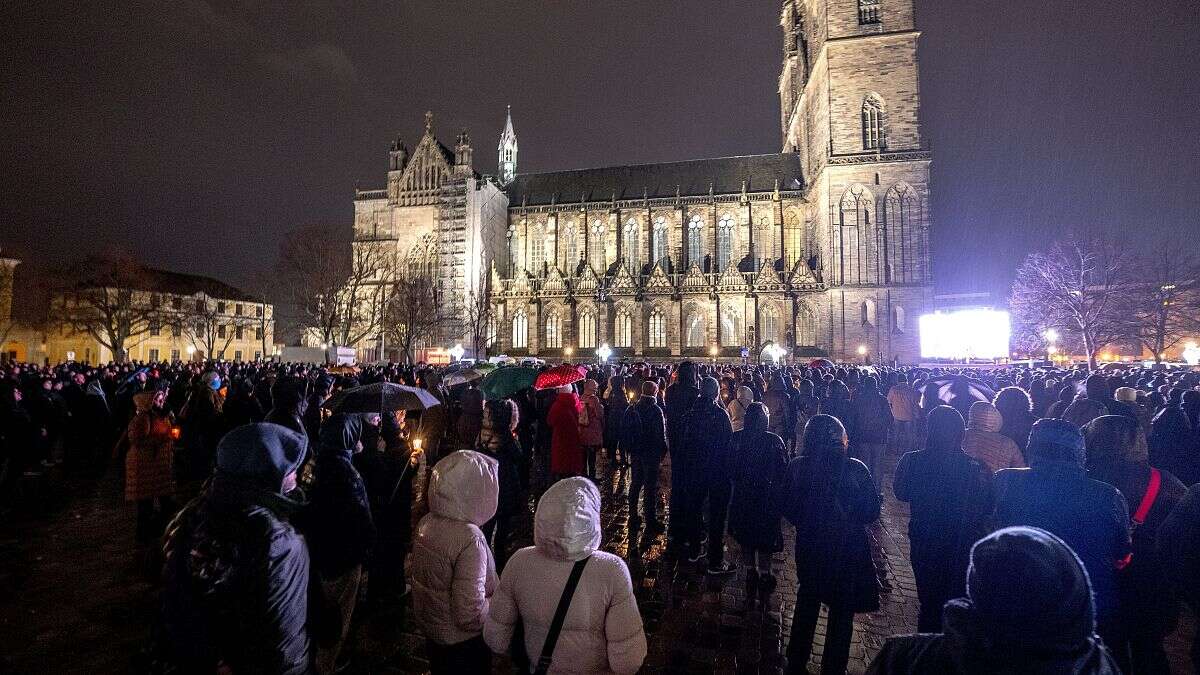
(822, 249)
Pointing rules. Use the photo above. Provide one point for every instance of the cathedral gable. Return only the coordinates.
(421, 180)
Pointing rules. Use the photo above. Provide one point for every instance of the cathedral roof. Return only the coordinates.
(724, 175)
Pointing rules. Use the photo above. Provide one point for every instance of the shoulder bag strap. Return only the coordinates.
(1152, 489)
(560, 616)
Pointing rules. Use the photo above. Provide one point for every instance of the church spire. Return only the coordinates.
(508, 151)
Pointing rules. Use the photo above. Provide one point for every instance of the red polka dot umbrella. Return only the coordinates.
(560, 376)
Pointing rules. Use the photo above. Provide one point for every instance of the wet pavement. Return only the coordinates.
(75, 595)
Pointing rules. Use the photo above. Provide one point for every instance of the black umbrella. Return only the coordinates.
(380, 397)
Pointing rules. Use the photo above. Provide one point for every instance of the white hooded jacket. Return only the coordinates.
(453, 572)
(602, 632)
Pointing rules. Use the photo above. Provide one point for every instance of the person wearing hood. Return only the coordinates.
(779, 407)
(830, 499)
(337, 522)
(566, 454)
(950, 498)
(679, 399)
(1055, 494)
(602, 629)
(289, 397)
(1028, 609)
(202, 425)
(644, 442)
(453, 571)
(148, 464)
(704, 454)
(1116, 454)
(984, 441)
(591, 425)
(759, 459)
(1173, 444)
(737, 408)
(470, 417)
(615, 404)
(236, 591)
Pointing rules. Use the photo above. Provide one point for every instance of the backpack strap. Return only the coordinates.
(1152, 489)
(560, 616)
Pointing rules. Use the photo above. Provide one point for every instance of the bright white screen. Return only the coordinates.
(966, 334)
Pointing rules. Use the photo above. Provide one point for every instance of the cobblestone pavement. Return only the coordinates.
(75, 596)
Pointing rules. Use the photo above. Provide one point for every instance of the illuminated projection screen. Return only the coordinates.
(966, 334)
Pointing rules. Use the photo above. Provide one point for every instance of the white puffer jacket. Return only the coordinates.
(453, 573)
(603, 630)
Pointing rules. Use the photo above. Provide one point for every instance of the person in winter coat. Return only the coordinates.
(148, 464)
(950, 494)
(498, 440)
(705, 455)
(1016, 414)
(201, 429)
(1055, 494)
(1028, 609)
(615, 404)
(984, 441)
(337, 522)
(644, 442)
(1178, 548)
(453, 572)
(1116, 454)
(602, 630)
(737, 408)
(566, 454)
(237, 595)
(779, 407)
(679, 399)
(1173, 445)
(906, 411)
(759, 459)
(591, 425)
(830, 499)
(470, 419)
(871, 424)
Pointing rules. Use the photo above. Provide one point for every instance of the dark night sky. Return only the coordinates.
(195, 133)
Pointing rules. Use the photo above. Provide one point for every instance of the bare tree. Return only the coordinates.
(413, 310)
(1081, 289)
(361, 297)
(6, 298)
(1166, 301)
(310, 273)
(209, 325)
(478, 315)
(105, 298)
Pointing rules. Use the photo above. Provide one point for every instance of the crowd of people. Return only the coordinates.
(1051, 524)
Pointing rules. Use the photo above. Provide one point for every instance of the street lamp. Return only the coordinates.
(457, 351)
(191, 351)
(568, 351)
(1051, 335)
(604, 352)
(713, 351)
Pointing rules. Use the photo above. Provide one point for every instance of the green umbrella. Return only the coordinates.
(484, 367)
(504, 382)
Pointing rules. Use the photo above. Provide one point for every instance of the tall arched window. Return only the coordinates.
(631, 247)
(898, 319)
(554, 331)
(570, 248)
(658, 241)
(520, 330)
(724, 243)
(587, 330)
(537, 249)
(806, 327)
(768, 329)
(513, 253)
(596, 247)
(695, 330)
(903, 236)
(695, 241)
(793, 237)
(656, 332)
(866, 311)
(490, 332)
(856, 263)
(731, 329)
(623, 335)
(872, 123)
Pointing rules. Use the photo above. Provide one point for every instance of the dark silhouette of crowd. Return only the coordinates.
(1052, 527)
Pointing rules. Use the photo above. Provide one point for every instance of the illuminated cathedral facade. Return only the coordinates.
(821, 249)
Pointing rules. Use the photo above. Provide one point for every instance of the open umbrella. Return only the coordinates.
(462, 377)
(820, 363)
(947, 389)
(485, 367)
(504, 382)
(560, 376)
(380, 397)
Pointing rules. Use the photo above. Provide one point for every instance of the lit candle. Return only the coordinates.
(416, 444)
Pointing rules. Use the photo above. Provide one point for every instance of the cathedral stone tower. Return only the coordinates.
(508, 152)
(850, 107)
